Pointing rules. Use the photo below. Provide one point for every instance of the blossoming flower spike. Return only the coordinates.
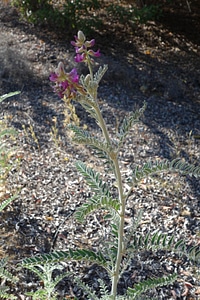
(81, 48)
(66, 84)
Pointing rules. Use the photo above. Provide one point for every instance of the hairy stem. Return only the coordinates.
(122, 200)
(102, 124)
(89, 66)
(120, 248)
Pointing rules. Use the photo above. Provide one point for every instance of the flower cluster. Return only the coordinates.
(81, 48)
(67, 84)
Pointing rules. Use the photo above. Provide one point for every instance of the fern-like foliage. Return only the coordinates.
(7, 202)
(7, 132)
(148, 284)
(5, 295)
(176, 165)
(93, 179)
(88, 290)
(128, 122)
(89, 107)
(103, 288)
(91, 85)
(160, 241)
(185, 168)
(79, 134)
(58, 256)
(101, 149)
(41, 294)
(130, 233)
(83, 137)
(5, 96)
(96, 203)
(5, 275)
(100, 73)
(111, 252)
(45, 274)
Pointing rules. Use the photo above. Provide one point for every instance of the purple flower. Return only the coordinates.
(81, 48)
(92, 53)
(79, 39)
(90, 44)
(74, 75)
(80, 57)
(66, 84)
(53, 77)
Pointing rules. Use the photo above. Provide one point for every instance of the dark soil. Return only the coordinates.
(156, 47)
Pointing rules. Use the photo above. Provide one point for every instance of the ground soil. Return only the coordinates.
(172, 41)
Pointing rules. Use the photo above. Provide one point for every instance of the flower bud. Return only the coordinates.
(87, 79)
(81, 36)
(60, 69)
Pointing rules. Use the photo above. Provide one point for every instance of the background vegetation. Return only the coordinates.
(89, 14)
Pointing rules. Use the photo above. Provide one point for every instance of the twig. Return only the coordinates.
(188, 5)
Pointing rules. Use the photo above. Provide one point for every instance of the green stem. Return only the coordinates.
(89, 66)
(120, 248)
(122, 200)
(102, 124)
(100, 118)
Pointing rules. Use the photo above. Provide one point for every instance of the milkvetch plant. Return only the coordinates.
(122, 243)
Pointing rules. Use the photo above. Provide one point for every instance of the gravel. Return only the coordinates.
(48, 184)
